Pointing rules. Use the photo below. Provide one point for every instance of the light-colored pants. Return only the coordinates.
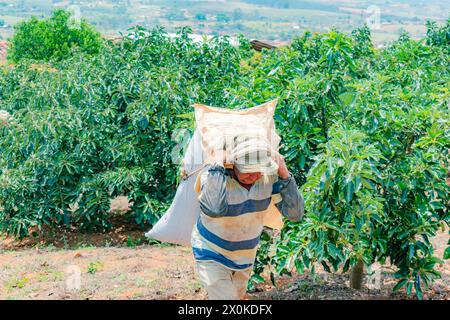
(222, 283)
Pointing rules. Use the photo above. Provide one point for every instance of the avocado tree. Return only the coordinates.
(88, 128)
(367, 134)
(52, 38)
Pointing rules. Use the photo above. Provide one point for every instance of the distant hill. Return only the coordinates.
(270, 20)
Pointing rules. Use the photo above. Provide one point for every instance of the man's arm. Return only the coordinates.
(291, 205)
(213, 196)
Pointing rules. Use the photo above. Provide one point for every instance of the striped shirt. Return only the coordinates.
(231, 218)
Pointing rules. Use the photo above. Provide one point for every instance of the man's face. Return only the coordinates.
(247, 178)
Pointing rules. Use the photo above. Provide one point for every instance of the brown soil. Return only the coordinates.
(325, 286)
(122, 265)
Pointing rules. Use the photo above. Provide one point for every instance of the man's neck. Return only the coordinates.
(245, 185)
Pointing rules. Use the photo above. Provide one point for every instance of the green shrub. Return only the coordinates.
(52, 38)
(365, 132)
(87, 129)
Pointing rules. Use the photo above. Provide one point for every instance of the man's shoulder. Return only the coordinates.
(272, 179)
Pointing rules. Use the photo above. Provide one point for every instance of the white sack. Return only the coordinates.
(176, 225)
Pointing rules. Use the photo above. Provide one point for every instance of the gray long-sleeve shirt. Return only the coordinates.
(229, 227)
(213, 197)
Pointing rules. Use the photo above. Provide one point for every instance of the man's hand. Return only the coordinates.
(283, 172)
(219, 157)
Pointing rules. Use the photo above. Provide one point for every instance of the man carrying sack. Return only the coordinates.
(233, 203)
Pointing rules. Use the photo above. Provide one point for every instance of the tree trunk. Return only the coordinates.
(357, 276)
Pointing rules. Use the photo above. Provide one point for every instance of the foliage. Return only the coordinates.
(52, 38)
(93, 267)
(438, 36)
(87, 129)
(365, 132)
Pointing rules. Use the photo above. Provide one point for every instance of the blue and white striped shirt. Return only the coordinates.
(231, 218)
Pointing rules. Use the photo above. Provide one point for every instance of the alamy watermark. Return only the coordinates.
(374, 279)
(73, 278)
(373, 17)
(370, 16)
(75, 19)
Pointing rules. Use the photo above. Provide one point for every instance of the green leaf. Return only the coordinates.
(272, 279)
(346, 98)
(400, 284)
(447, 253)
(333, 251)
(306, 260)
(265, 236)
(346, 266)
(299, 266)
(349, 191)
(409, 288)
(418, 288)
(257, 278)
(325, 266)
(411, 252)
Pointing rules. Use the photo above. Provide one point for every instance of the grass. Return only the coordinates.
(16, 282)
(194, 285)
(156, 243)
(133, 243)
(83, 245)
(122, 277)
(49, 247)
(118, 291)
(93, 267)
(6, 266)
(145, 283)
(137, 294)
(50, 276)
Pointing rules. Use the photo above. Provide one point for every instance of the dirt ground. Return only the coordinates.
(122, 265)
(325, 286)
